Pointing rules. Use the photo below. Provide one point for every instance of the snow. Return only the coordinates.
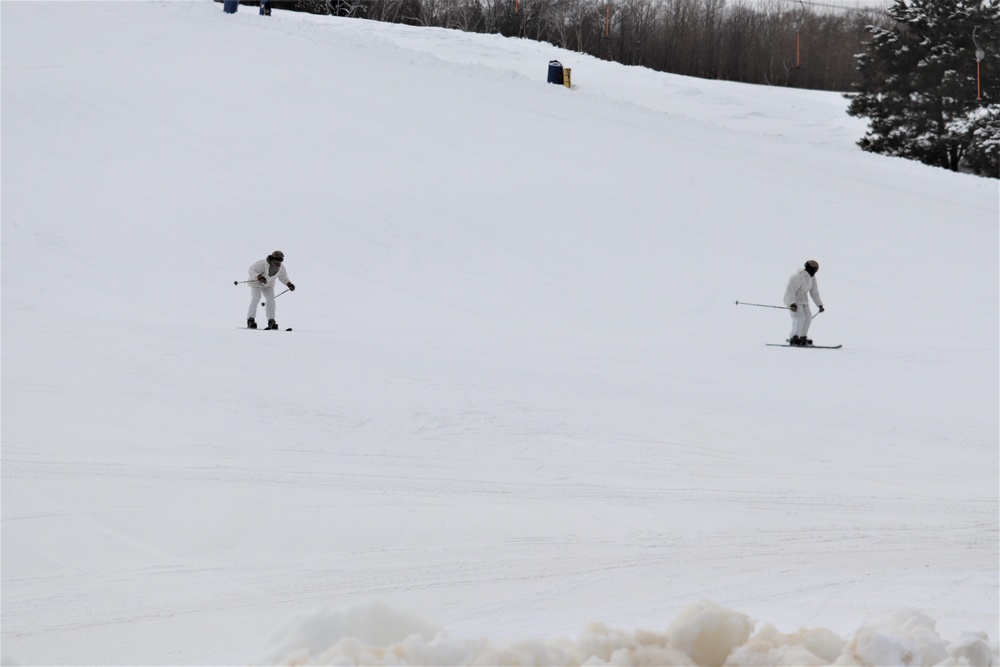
(703, 634)
(520, 417)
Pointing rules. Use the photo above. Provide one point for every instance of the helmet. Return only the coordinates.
(276, 256)
(812, 266)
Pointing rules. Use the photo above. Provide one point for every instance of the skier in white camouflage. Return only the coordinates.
(263, 275)
(801, 286)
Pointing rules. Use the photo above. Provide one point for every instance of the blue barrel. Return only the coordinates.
(555, 72)
(265, 7)
(230, 6)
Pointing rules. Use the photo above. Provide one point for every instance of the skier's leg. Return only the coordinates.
(254, 302)
(269, 307)
(801, 317)
(807, 319)
(797, 319)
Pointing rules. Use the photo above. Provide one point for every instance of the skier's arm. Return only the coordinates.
(814, 292)
(257, 270)
(793, 287)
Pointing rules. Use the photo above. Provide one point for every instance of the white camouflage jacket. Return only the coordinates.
(262, 268)
(799, 285)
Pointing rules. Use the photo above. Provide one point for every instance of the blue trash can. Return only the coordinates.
(555, 72)
(265, 7)
(230, 6)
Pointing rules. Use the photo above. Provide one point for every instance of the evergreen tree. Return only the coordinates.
(919, 86)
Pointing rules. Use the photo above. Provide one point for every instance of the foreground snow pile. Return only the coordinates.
(702, 634)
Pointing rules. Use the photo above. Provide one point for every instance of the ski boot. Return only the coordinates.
(271, 324)
(251, 323)
(797, 341)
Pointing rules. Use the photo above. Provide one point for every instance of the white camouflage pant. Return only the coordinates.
(801, 319)
(256, 291)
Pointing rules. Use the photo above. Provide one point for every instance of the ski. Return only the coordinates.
(264, 329)
(818, 347)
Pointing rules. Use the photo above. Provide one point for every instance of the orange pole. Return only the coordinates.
(517, 6)
(798, 60)
(607, 19)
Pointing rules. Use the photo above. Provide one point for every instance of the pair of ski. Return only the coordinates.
(816, 347)
(266, 329)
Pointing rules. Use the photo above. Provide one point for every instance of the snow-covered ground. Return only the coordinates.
(518, 398)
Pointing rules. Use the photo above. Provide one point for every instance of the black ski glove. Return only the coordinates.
(291, 287)
(262, 280)
(821, 309)
(794, 307)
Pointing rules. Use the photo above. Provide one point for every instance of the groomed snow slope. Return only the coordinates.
(518, 396)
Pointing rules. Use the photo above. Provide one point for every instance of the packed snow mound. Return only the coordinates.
(703, 634)
(359, 629)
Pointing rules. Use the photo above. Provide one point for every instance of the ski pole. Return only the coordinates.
(242, 282)
(760, 305)
(276, 296)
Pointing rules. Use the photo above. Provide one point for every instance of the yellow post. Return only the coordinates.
(566, 78)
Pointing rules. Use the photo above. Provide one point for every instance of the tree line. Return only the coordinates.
(923, 72)
(779, 42)
(929, 85)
